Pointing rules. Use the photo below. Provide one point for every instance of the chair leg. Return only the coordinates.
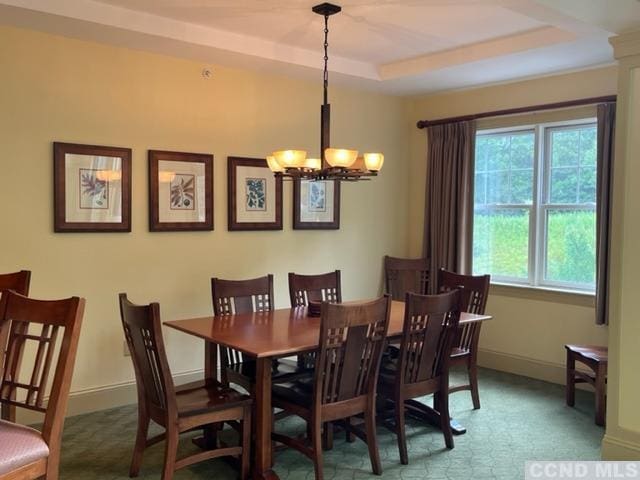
(372, 440)
(571, 380)
(473, 382)
(246, 443)
(141, 440)
(445, 419)
(400, 430)
(600, 395)
(350, 437)
(170, 453)
(316, 442)
(328, 436)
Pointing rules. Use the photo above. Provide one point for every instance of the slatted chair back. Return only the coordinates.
(316, 288)
(29, 326)
(18, 282)
(232, 297)
(143, 331)
(430, 323)
(475, 291)
(404, 275)
(352, 338)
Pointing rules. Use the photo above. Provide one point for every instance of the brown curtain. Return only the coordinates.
(606, 138)
(448, 225)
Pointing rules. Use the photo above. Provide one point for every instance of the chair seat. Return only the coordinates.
(460, 352)
(206, 396)
(294, 392)
(282, 370)
(593, 352)
(20, 446)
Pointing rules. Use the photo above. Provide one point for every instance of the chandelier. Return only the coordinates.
(335, 163)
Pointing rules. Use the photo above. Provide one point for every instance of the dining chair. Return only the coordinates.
(232, 297)
(178, 409)
(324, 287)
(422, 368)
(18, 282)
(352, 337)
(475, 291)
(404, 275)
(303, 289)
(31, 361)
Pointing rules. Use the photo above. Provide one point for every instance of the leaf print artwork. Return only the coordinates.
(182, 192)
(256, 194)
(94, 192)
(317, 197)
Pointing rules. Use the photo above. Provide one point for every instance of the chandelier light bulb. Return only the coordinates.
(274, 166)
(373, 161)
(340, 157)
(290, 158)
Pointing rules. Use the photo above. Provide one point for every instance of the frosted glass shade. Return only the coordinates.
(340, 157)
(373, 161)
(290, 158)
(313, 163)
(273, 164)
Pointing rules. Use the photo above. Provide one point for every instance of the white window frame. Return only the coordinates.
(540, 206)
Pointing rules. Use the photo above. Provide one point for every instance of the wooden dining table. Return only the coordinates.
(266, 336)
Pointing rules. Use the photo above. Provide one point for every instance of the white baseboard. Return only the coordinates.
(525, 366)
(103, 398)
(618, 449)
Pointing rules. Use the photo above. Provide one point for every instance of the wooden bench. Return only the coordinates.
(596, 358)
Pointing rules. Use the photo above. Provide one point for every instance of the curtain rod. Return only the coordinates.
(514, 111)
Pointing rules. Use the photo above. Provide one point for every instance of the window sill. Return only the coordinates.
(544, 294)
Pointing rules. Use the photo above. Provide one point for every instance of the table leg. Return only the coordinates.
(263, 422)
(208, 440)
(210, 360)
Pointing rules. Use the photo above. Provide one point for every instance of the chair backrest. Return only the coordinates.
(242, 296)
(143, 331)
(404, 275)
(318, 288)
(430, 324)
(37, 325)
(352, 338)
(475, 289)
(18, 282)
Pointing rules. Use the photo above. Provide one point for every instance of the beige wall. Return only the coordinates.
(529, 328)
(58, 89)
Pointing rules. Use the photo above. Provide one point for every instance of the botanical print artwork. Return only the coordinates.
(94, 191)
(256, 194)
(182, 192)
(317, 197)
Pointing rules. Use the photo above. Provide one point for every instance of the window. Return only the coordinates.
(534, 208)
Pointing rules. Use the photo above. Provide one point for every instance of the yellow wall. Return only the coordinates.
(622, 439)
(58, 89)
(529, 329)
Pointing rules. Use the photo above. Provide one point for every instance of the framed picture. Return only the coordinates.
(91, 188)
(180, 191)
(316, 205)
(255, 195)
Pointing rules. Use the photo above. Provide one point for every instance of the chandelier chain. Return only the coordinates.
(326, 57)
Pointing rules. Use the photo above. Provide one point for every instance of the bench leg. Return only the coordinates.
(571, 380)
(601, 374)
